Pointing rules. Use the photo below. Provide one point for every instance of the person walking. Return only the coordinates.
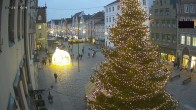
(88, 54)
(55, 77)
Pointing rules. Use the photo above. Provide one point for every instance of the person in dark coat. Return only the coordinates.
(55, 76)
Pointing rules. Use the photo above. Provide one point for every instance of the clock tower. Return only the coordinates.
(41, 29)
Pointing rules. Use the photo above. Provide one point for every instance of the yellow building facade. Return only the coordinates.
(41, 36)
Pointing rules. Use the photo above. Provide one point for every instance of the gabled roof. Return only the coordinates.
(77, 14)
(41, 15)
(113, 2)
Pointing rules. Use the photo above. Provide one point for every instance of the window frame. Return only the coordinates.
(182, 39)
(194, 41)
(188, 40)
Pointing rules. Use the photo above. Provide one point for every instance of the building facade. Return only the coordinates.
(111, 12)
(76, 24)
(17, 44)
(56, 27)
(41, 29)
(99, 32)
(187, 35)
(84, 27)
(95, 18)
(163, 27)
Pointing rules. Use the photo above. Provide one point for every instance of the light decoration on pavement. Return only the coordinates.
(61, 57)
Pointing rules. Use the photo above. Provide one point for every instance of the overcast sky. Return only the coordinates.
(57, 9)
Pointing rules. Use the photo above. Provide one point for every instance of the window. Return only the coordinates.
(0, 23)
(163, 23)
(156, 12)
(174, 39)
(194, 41)
(192, 8)
(168, 38)
(161, 2)
(144, 2)
(113, 19)
(112, 8)
(18, 21)
(106, 19)
(182, 39)
(166, 11)
(168, 23)
(109, 19)
(174, 24)
(109, 9)
(39, 27)
(163, 37)
(157, 23)
(11, 22)
(188, 40)
(23, 22)
(106, 10)
(186, 8)
(161, 12)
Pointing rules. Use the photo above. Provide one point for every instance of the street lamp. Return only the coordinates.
(78, 44)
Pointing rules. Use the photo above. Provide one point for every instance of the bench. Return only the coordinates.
(186, 81)
(174, 77)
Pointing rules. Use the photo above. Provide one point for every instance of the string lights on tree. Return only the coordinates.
(132, 77)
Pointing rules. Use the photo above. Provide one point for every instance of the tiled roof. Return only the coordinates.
(113, 2)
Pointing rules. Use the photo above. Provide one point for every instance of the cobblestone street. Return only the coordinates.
(69, 90)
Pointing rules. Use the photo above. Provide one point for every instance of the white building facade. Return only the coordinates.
(111, 12)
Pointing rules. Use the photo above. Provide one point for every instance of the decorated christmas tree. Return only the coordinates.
(132, 77)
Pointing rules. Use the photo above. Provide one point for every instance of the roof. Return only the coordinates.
(98, 15)
(77, 14)
(41, 15)
(69, 20)
(113, 2)
(86, 17)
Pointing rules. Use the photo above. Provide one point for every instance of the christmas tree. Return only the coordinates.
(132, 77)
